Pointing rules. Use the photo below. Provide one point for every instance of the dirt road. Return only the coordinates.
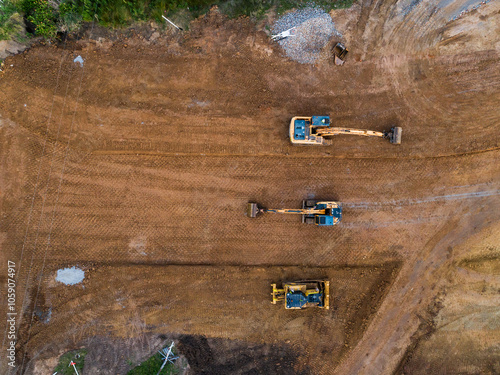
(137, 167)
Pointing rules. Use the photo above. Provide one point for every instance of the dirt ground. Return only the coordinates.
(137, 167)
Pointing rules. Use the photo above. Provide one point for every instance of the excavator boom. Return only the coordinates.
(327, 132)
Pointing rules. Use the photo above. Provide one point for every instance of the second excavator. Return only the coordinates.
(313, 130)
(322, 213)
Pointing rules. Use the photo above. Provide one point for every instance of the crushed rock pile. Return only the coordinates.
(313, 28)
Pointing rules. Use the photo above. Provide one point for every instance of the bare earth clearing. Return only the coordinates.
(137, 168)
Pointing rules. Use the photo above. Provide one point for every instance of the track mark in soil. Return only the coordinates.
(406, 202)
(488, 264)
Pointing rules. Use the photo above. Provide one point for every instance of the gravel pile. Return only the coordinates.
(313, 30)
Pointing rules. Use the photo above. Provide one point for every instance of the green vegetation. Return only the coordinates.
(47, 17)
(11, 22)
(69, 16)
(77, 356)
(41, 15)
(152, 365)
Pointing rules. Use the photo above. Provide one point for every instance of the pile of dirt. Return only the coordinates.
(10, 48)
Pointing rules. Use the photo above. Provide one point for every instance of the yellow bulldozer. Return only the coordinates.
(303, 294)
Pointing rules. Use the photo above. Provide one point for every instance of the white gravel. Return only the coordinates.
(313, 29)
(70, 276)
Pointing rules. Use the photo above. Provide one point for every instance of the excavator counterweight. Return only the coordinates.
(314, 129)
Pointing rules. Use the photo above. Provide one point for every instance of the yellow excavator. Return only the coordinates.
(313, 130)
(313, 212)
(303, 294)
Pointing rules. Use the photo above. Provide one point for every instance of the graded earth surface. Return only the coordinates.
(136, 166)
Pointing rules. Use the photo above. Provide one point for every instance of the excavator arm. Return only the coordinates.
(319, 208)
(304, 211)
(326, 132)
(324, 213)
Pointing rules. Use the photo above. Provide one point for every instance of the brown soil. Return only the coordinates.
(138, 166)
(464, 334)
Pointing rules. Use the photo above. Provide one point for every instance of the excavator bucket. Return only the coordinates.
(252, 209)
(396, 135)
(339, 52)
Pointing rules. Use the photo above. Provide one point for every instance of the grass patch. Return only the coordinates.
(11, 22)
(251, 8)
(47, 17)
(152, 365)
(77, 356)
(117, 13)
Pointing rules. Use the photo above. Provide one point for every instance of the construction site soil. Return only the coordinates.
(136, 166)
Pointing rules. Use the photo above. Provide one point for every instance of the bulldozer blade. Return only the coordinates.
(396, 135)
(252, 209)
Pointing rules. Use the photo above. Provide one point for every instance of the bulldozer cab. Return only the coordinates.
(297, 299)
